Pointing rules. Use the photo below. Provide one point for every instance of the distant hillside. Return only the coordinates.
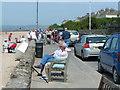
(99, 14)
(101, 19)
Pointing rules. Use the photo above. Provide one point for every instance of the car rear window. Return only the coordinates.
(75, 33)
(96, 39)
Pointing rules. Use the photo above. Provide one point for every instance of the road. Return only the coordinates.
(80, 75)
(92, 62)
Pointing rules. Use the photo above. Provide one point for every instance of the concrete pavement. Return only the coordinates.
(80, 75)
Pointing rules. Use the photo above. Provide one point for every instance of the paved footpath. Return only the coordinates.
(80, 75)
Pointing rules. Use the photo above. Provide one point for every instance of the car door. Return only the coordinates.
(104, 54)
(112, 54)
(79, 46)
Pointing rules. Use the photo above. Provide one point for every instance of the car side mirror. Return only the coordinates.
(100, 47)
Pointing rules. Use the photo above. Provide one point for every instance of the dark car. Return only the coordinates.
(109, 58)
(60, 29)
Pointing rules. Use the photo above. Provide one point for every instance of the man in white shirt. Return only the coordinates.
(33, 35)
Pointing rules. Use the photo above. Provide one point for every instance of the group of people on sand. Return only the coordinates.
(60, 54)
(9, 45)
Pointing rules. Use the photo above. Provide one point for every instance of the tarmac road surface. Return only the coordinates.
(80, 75)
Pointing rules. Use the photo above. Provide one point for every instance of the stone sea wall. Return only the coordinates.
(21, 75)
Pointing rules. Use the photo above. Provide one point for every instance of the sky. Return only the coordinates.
(60, 0)
(50, 11)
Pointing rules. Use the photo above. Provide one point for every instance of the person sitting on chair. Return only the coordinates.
(59, 54)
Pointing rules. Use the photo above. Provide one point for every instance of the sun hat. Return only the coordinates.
(5, 39)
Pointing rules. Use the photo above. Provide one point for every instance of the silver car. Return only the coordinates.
(87, 45)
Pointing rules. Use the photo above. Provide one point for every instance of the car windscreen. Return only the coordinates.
(75, 33)
(96, 39)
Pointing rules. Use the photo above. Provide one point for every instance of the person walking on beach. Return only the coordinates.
(66, 37)
(9, 37)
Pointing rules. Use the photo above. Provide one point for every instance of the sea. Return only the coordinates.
(9, 28)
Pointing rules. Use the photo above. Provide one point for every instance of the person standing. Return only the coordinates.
(33, 35)
(66, 37)
(28, 36)
(9, 37)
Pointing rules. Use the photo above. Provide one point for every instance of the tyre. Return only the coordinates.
(82, 56)
(75, 52)
(100, 68)
(116, 77)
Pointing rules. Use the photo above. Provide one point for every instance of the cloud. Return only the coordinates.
(60, 0)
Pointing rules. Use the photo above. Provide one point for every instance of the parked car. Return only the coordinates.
(109, 58)
(74, 37)
(60, 29)
(87, 45)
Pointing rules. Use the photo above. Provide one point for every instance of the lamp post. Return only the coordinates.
(37, 17)
(89, 15)
(118, 16)
(119, 8)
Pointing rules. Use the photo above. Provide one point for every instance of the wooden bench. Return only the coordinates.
(57, 69)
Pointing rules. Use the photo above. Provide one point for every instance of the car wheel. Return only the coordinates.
(75, 52)
(100, 68)
(116, 77)
(82, 56)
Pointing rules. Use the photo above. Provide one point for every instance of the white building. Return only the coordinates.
(111, 16)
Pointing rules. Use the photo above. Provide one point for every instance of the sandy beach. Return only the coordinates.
(8, 59)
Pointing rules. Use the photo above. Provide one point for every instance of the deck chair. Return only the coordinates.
(57, 69)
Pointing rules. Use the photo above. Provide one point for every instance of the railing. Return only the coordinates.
(106, 84)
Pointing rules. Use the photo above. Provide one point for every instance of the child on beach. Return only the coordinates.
(9, 37)
(16, 40)
(5, 45)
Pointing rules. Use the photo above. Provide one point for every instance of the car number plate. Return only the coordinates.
(95, 47)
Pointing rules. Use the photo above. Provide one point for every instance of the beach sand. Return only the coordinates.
(7, 60)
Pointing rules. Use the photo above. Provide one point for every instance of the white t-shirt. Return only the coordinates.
(59, 55)
(23, 40)
(5, 44)
(28, 35)
(33, 35)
